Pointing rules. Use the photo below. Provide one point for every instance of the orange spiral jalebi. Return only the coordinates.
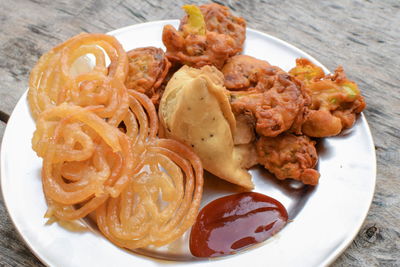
(55, 78)
(81, 155)
(161, 201)
(140, 216)
(100, 148)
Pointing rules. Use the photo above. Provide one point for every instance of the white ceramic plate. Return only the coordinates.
(325, 218)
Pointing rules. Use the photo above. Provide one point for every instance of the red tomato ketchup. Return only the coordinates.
(231, 223)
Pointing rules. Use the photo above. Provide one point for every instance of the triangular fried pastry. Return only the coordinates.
(195, 109)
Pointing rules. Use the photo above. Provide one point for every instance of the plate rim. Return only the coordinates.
(328, 260)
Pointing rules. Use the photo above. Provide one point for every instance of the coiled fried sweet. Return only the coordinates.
(64, 75)
(161, 201)
(85, 160)
(89, 165)
(100, 149)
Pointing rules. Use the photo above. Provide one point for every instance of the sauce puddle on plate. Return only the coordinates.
(234, 222)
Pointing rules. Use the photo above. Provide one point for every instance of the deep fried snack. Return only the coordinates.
(208, 35)
(64, 75)
(89, 165)
(335, 99)
(277, 103)
(241, 72)
(289, 156)
(148, 67)
(306, 71)
(210, 134)
(161, 201)
(99, 144)
(141, 122)
(85, 160)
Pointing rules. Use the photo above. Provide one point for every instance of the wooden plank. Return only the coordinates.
(361, 35)
(2, 128)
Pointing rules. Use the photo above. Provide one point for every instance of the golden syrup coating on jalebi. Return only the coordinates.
(85, 160)
(100, 148)
(54, 79)
(160, 203)
(138, 217)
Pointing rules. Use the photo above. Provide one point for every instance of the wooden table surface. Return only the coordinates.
(363, 36)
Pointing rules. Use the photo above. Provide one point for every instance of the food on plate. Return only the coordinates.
(195, 109)
(85, 159)
(244, 140)
(207, 35)
(148, 67)
(277, 103)
(140, 123)
(244, 132)
(242, 72)
(108, 165)
(286, 108)
(306, 71)
(289, 156)
(54, 79)
(234, 222)
(160, 202)
(137, 172)
(335, 99)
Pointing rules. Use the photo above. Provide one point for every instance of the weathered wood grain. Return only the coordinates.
(2, 128)
(361, 35)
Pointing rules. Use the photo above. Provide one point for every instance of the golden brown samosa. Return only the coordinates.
(195, 109)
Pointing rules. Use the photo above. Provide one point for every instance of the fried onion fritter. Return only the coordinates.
(306, 71)
(278, 102)
(335, 100)
(208, 35)
(148, 67)
(240, 72)
(289, 156)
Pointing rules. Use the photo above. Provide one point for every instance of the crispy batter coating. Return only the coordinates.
(219, 19)
(240, 72)
(148, 67)
(195, 45)
(289, 156)
(335, 99)
(306, 71)
(277, 102)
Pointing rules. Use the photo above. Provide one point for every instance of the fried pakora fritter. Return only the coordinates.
(306, 71)
(335, 99)
(277, 102)
(148, 67)
(208, 35)
(240, 72)
(289, 156)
